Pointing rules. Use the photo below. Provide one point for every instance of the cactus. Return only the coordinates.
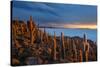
(87, 51)
(45, 37)
(80, 55)
(63, 45)
(86, 47)
(32, 30)
(75, 50)
(54, 47)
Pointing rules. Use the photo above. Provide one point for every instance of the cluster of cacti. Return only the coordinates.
(29, 42)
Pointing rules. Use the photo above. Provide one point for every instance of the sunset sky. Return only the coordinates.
(57, 15)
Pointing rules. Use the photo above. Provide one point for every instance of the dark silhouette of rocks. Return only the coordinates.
(32, 46)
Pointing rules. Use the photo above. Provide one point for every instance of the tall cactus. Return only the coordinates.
(87, 51)
(45, 36)
(54, 47)
(75, 50)
(86, 47)
(63, 45)
(32, 30)
(84, 40)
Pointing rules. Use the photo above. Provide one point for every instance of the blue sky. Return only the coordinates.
(55, 14)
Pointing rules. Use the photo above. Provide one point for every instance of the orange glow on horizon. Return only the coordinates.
(81, 26)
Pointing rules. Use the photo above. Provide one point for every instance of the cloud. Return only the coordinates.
(50, 13)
